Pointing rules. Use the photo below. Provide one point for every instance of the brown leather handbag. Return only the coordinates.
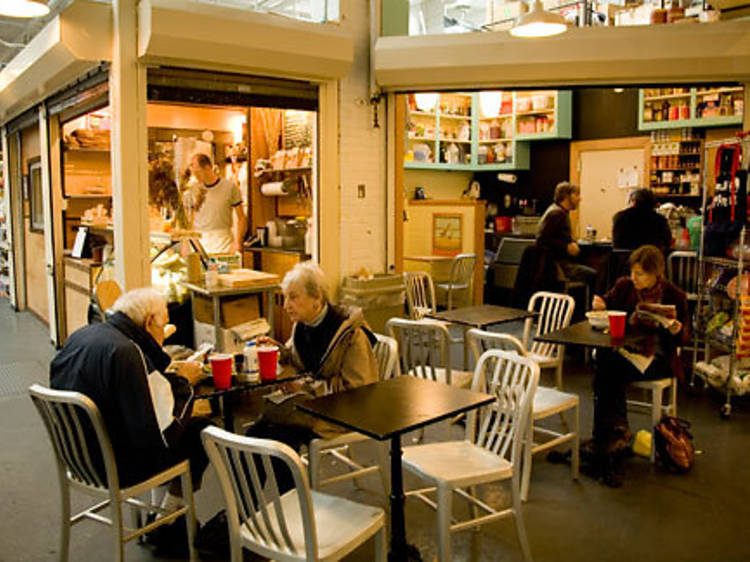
(674, 444)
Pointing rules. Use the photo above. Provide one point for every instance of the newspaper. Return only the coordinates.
(640, 362)
(664, 315)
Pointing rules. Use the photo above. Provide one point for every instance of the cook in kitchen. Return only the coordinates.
(217, 206)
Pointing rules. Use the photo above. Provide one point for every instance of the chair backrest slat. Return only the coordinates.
(266, 513)
(512, 379)
(65, 414)
(276, 500)
(420, 294)
(386, 354)
(555, 312)
(424, 347)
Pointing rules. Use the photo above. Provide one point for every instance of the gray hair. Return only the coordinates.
(310, 277)
(139, 303)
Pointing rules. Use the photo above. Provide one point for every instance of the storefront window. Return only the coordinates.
(318, 11)
(435, 17)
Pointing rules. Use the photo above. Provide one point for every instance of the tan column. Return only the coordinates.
(329, 188)
(127, 94)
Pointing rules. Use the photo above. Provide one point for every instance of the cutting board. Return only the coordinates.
(238, 278)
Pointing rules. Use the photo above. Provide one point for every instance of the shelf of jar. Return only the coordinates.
(423, 114)
(271, 171)
(534, 136)
(459, 117)
(666, 97)
(492, 141)
(535, 112)
(714, 91)
(500, 116)
(455, 140)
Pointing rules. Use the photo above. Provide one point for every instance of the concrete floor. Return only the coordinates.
(702, 516)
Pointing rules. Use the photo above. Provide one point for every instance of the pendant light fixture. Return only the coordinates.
(538, 22)
(23, 8)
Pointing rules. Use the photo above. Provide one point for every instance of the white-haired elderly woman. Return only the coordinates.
(121, 366)
(333, 344)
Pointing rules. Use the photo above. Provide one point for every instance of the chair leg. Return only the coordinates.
(381, 546)
(444, 510)
(518, 519)
(119, 547)
(313, 456)
(526, 464)
(191, 520)
(559, 376)
(65, 527)
(575, 453)
(673, 398)
(656, 401)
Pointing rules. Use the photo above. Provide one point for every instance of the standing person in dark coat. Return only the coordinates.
(120, 365)
(640, 224)
(555, 236)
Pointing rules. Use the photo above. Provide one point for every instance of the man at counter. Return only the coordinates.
(554, 233)
(640, 224)
(215, 202)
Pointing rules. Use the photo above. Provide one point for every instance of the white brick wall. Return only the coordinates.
(362, 150)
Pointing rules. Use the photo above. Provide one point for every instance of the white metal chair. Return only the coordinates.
(682, 270)
(386, 353)
(656, 406)
(490, 454)
(460, 280)
(547, 402)
(420, 294)
(555, 312)
(425, 351)
(69, 418)
(299, 525)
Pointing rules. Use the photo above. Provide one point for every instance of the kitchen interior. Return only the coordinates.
(268, 152)
(501, 153)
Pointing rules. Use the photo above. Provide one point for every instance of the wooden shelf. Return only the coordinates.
(455, 140)
(492, 141)
(501, 116)
(423, 114)
(306, 169)
(719, 91)
(459, 117)
(424, 139)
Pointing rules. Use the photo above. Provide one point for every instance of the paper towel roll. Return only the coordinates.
(274, 188)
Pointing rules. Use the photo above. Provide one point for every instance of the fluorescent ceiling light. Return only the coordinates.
(538, 23)
(23, 8)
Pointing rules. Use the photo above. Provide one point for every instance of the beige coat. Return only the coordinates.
(349, 362)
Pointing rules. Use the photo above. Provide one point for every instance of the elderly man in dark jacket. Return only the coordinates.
(121, 366)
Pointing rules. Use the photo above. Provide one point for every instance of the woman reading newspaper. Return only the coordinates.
(657, 310)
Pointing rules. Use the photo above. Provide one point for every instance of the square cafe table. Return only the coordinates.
(581, 333)
(386, 410)
(480, 317)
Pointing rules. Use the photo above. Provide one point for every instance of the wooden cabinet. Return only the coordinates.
(80, 276)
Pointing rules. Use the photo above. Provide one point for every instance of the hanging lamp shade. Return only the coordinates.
(538, 22)
(23, 8)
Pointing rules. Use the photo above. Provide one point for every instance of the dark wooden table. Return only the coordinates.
(581, 333)
(205, 390)
(480, 317)
(387, 410)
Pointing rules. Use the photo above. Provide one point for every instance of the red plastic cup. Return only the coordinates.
(268, 358)
(221, 369)
(617, 323)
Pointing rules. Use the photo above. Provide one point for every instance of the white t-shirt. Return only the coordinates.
(214, 218)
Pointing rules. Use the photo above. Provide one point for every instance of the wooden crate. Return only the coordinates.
(234, 310)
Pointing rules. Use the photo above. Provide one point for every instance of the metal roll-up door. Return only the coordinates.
(27, 119)
(177, 85)
(89, 93)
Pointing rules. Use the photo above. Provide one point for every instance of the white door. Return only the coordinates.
(606, 179)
